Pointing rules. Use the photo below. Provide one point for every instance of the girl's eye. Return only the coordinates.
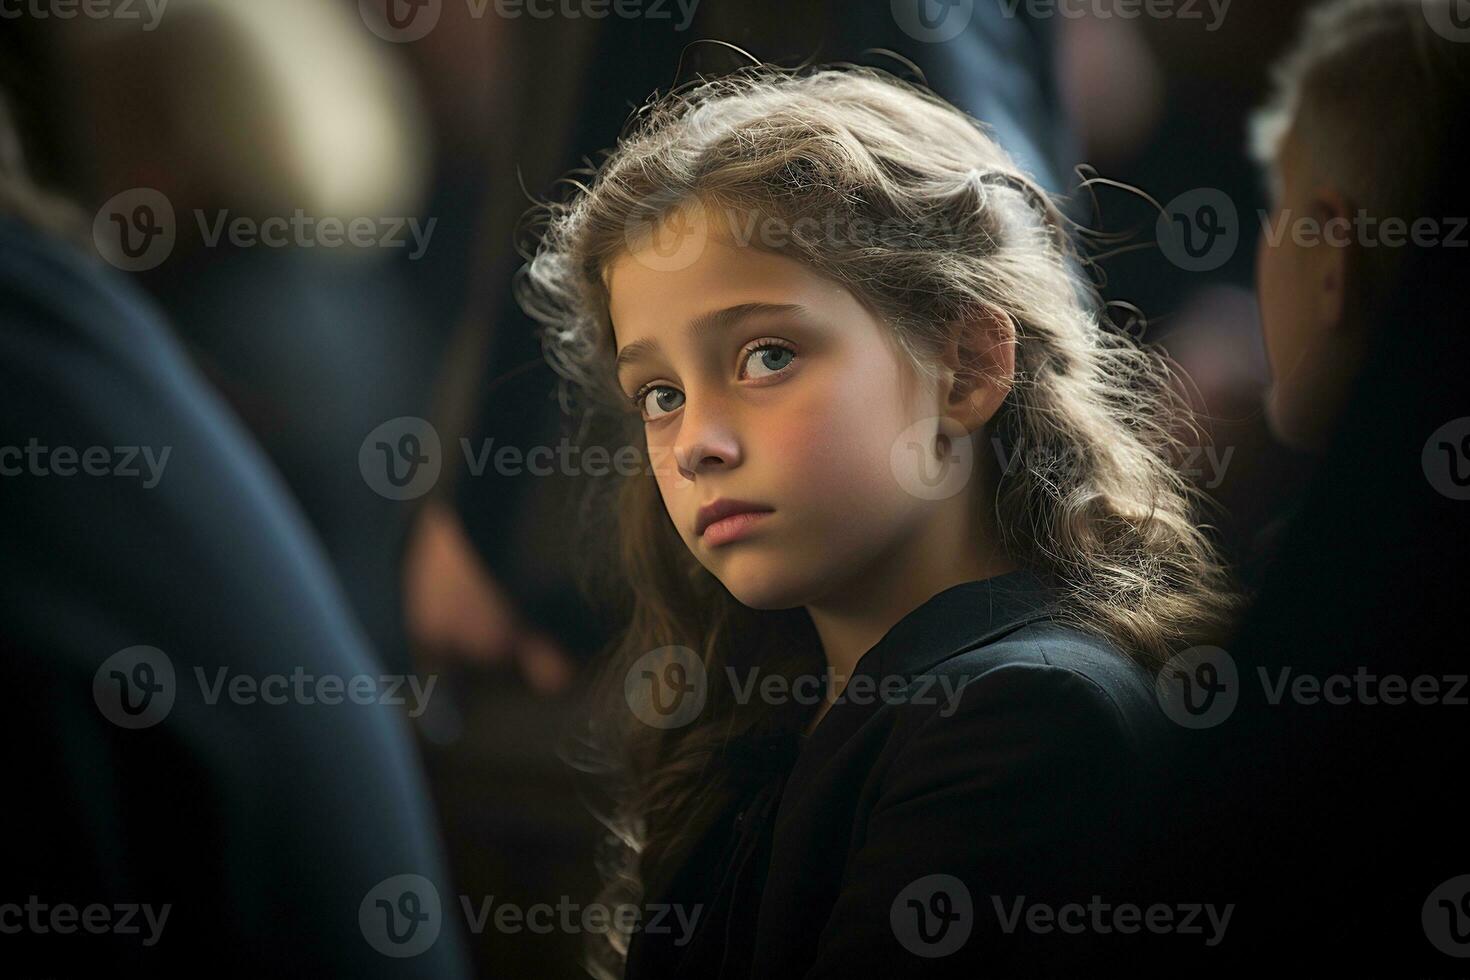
(658, 400)
(766, 359)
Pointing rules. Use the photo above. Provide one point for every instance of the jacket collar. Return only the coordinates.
(957, 619)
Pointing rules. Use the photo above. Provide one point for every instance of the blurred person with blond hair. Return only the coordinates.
(1322, 795)
(165, 821)
(293, 124)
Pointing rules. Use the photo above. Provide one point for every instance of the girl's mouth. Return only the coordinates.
(724, 519)
(734, 527)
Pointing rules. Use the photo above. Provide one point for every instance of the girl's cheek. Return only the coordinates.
(821, 446)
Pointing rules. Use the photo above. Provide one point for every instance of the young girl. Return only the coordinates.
(888, 444)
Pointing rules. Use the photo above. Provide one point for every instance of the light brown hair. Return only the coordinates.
(1096, 506)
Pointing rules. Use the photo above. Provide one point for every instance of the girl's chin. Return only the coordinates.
(766, 588)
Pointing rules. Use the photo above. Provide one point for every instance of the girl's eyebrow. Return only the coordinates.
(714, 320)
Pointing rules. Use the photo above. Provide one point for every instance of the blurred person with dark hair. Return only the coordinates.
(161, 821)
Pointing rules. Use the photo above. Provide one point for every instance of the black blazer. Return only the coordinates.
(898, 838)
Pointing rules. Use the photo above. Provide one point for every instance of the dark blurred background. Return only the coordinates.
(456, 118)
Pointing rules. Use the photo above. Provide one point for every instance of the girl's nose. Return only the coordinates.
(707, 438)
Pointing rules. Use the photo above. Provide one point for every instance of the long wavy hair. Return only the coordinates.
(1096, 504)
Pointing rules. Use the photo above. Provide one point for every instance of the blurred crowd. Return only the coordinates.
(317, 207)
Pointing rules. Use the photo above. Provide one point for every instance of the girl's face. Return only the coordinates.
(762, 383)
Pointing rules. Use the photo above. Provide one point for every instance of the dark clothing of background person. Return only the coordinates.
(907, 832)
(1332, 816)
(313, 352)
(263, 826)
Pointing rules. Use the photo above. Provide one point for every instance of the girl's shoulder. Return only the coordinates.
(1048, 670)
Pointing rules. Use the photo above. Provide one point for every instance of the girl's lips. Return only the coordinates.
(734, 527)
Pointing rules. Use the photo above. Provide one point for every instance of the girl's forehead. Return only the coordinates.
(721, 270)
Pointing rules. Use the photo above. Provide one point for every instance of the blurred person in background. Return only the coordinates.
(1321, 790)
(1161, 105)
(154, 827)
(278, 117)
(287, 121)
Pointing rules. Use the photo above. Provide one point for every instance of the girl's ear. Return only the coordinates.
(980, 367)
